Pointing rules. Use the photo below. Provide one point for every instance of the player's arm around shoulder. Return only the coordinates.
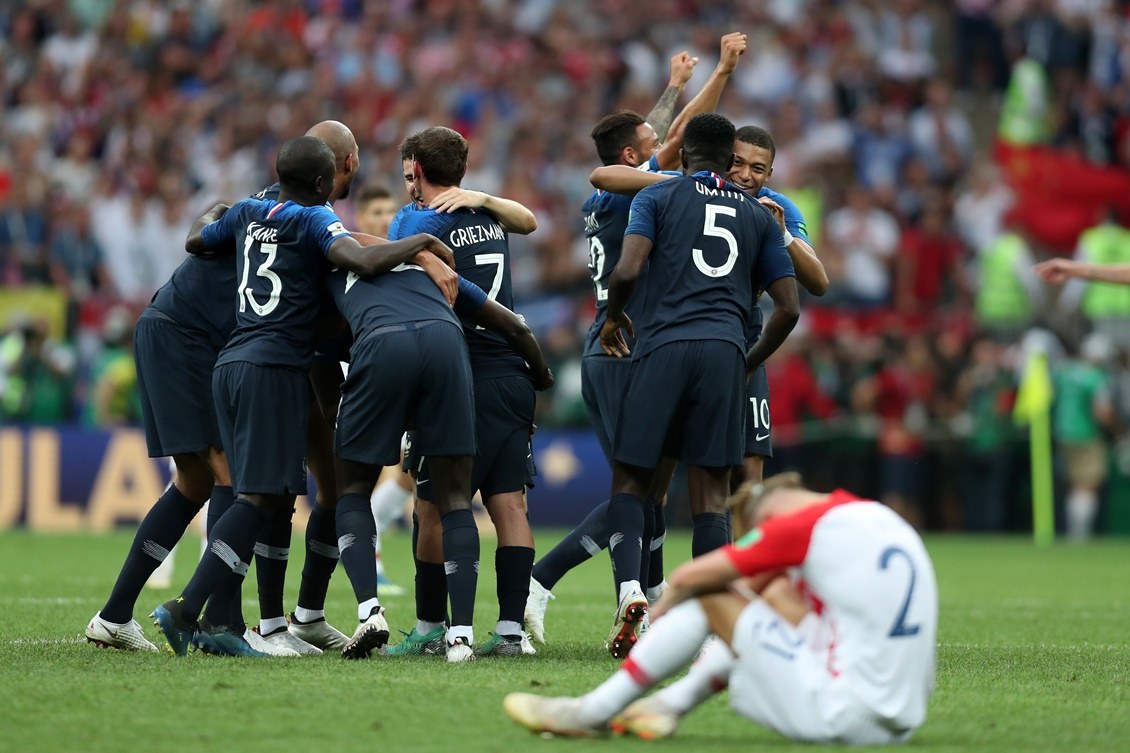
(512, 215)
(623, 179)
(809, 269)
(197, 244)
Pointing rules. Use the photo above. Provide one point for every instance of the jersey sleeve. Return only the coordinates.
(470, 299)
(773, 260)
(641, 217)
(394, 229)
(794, 220)
(777, 543)
(652, 165)
(421, 221)
(221, 233)
(324, 227)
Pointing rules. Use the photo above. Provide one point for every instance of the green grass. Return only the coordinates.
(1034, 655)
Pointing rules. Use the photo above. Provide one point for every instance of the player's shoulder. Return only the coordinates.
(270, 192)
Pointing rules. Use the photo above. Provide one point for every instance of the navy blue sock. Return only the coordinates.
(625, 521)
(512, 566)
(225, 605)
(461, 563)
(272, 551)
(321, 558)
(645, 540)
(711, 531)
(356, 543)
(584, 541)
(658, 536)
(229, 552)
(160, 530)
(431, 583)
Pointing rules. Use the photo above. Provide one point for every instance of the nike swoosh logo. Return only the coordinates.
(109, 631)
(759, 437)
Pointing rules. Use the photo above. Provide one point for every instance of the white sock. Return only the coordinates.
(1082, 507)
(460, 631)
(365, 608)
(302, 614)
(507, 627)
(628, 587)
(670, 645)
(423, 627)
(388, 501)
(709, 674)
(268, 625)
(654, 592)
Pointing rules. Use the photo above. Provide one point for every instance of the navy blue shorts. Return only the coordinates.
(686, 401)
(604, 379)
(174, 381)
(412, 376)
(263, 412)
(504, 459)
(757, 426)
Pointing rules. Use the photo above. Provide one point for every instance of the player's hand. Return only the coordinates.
(733, 46)
(777, 210)
(612, 336)
(458, 198)
(440, 250)
(1055, 271)
(442, 275)
(682, 66)
(542, 381)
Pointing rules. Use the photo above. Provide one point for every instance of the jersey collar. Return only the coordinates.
(710, 178)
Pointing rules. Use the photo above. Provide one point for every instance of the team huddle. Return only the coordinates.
(823, 613)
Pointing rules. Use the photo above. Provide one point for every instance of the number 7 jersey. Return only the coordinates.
(870, 582)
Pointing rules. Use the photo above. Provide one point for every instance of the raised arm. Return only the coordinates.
(660, 117)
(497, 318)
(194, 243)
(514, 217)
(623, 179)
(733, 45)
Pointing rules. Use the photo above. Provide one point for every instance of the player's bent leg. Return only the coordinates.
(356, 531)
(708, 488)
(513, 564)
(451, 488)
(752, 470)
(626, 511)
(427, 638)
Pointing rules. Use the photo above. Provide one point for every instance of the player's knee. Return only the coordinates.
(193, 478)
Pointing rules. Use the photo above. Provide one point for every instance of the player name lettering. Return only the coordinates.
(262, 234)
(591, 225)
(708, 191)
(475, 234)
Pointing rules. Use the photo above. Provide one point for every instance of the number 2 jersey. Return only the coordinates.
(714, 247)
(280, 265)
(482, 256)
(866, 574)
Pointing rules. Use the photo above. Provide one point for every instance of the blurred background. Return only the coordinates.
(937, 149)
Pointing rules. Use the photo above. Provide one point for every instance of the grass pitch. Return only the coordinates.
(1034, 655)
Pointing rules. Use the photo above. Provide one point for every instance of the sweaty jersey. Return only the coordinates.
(406, 294)
(866, 574)
(482, 256)
(279, 265)
(795, 224)
(714, 247)
(606, 218)
(198, 294)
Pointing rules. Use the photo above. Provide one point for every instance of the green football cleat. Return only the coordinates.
(414, 644)
(178, 633)
(220, 641)
(502, 645)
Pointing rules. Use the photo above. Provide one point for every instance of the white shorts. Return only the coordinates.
(781, 681)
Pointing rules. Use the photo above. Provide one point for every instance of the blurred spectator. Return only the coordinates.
(23, 239)
(928, 268)
(38, 387)
(941, 133)
(866, 238)
(114, 398)
(1106, 305)
(1008, 290)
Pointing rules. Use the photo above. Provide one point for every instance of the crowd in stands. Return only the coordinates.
(123, 119)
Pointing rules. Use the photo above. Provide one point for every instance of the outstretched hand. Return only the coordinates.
(733, 46)
(1055, 271)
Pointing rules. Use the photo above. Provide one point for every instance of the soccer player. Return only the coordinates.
(623, 138)
(259, 383)
(685, 397)
(504, 395)
(826, 611)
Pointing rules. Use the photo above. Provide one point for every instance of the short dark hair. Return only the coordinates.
(303, 160)
(372, 192)
(614, 132)
(440, 152)
(759, 137)
(709, 137)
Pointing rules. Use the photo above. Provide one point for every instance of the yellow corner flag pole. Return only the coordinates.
(1033, 407)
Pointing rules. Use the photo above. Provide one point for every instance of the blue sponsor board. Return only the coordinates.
(73, 479)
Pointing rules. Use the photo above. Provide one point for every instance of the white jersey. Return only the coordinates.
(871, 585)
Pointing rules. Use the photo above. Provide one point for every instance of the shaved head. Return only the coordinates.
(341, 142)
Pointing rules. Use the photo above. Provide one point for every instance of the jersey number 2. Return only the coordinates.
(246, 294)
(710, 227)
(900, 629)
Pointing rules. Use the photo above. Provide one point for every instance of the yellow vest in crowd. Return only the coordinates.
(1106, 244)
(1002, 298)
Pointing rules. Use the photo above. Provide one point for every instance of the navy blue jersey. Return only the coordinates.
(714, 247)
(406, 294)
(198, 294)
(280, 266)
(482, 255)
(795, 224)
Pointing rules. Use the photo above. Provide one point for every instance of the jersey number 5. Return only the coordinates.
(900, 629)
(710, 227)
(246, 294)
